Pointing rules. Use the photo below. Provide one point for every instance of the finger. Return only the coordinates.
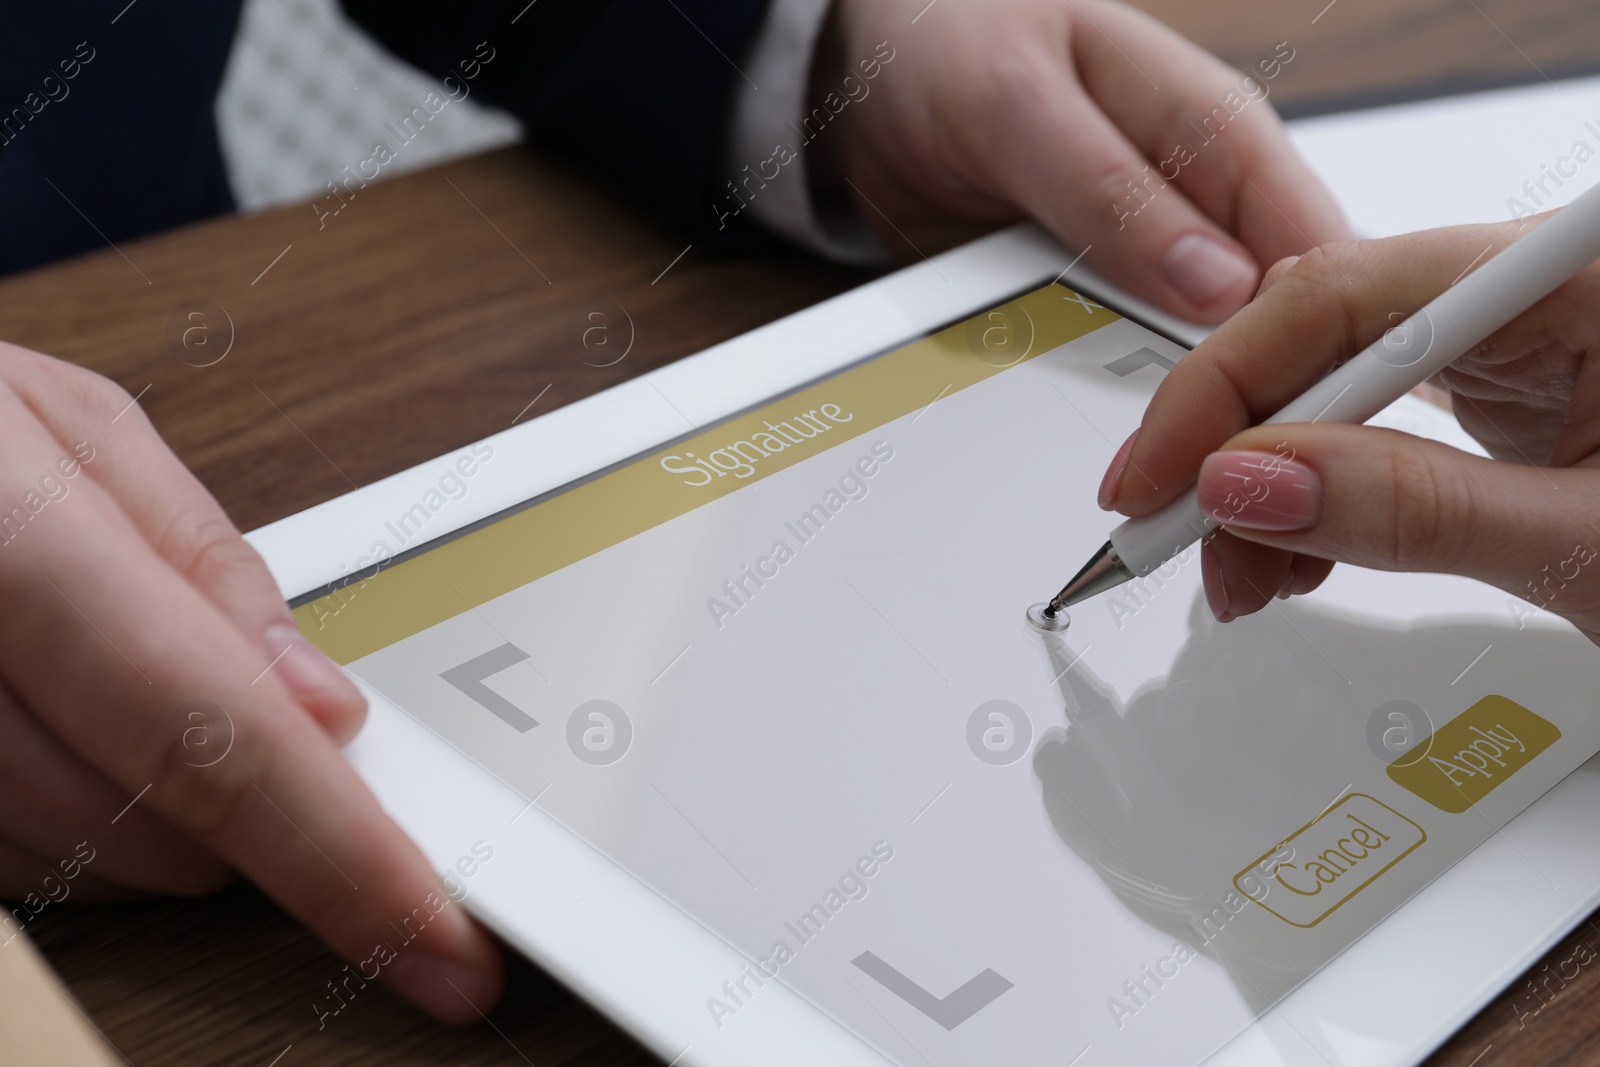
(105, 435)
(106, 643)
(32, 882)
(1324, 309)
(1210, 130)
(1383, 499)
(1275, 274)
(51, 802)
(1067, 164)
(1309, 572)
(1241, 577)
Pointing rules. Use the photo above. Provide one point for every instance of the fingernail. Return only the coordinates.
(301, 666)
(1202, 268)
(1299, 585)
(1211, 578)
(1113, 476)
(1260, 491)
(442, 987)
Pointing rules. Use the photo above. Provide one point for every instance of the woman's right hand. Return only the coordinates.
(1299, 497)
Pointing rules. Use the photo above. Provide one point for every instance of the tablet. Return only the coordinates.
(713, 694)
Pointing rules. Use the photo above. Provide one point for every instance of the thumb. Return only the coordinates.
(1065, 162)
(1386, 500)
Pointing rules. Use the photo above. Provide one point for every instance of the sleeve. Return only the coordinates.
(636, 91)
(766, 160)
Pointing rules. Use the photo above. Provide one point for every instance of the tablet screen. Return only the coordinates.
(779, 670)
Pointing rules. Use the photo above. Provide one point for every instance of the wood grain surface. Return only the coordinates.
(437, 308)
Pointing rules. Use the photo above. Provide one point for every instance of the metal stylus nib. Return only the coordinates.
(1105, 570)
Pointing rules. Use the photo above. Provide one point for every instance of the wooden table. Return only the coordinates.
(435, 309)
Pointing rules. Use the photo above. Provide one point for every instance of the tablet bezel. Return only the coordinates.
(1412, 980)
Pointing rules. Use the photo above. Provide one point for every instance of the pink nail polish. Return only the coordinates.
(452, 991)
(299, 663)
(1203, 268)
(1260, 491)
(1113, 476)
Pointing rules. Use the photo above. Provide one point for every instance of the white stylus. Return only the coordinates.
(1406, 356)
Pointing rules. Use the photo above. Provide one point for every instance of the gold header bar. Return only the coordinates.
(370, 611)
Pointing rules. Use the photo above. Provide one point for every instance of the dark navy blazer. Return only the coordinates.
(106, 107)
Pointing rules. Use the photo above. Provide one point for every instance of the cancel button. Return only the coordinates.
(1330, 860)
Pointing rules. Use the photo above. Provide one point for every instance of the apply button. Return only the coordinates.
(1473, 753)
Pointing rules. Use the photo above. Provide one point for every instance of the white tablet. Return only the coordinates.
(714, 694)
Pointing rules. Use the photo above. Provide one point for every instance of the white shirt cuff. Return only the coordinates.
(766, 148)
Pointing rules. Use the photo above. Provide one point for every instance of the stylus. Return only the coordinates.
(1406, 356)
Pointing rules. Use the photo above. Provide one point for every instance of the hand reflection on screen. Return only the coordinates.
(1259, 727)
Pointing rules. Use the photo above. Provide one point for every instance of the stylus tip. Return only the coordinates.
(1043, 617)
